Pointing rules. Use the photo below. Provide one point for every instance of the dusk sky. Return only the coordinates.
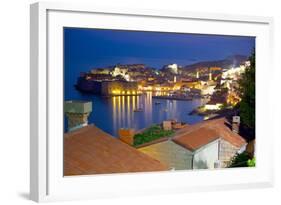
(101, 48)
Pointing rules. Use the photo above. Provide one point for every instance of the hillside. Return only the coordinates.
(230, 61)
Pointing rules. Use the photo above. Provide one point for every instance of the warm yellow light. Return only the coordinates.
(116, 92)
(128, 92)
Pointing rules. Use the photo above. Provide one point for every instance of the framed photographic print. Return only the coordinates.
(127, 102)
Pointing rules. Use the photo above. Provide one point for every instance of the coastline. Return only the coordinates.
(187, 98)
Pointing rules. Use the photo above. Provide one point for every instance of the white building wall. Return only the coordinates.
(171, 154)
(213, 107)
(206, 156)
(208, 90)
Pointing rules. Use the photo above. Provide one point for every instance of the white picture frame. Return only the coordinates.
(46, 179)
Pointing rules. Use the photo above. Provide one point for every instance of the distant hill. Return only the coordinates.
(227, 63)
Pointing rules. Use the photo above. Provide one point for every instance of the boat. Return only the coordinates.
(138, 110)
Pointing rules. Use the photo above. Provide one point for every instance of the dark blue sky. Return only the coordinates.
(101, 48)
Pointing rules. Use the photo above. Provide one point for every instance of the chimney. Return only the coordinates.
(77, 113)
(167, 125)
(235, 124)
(127, 135)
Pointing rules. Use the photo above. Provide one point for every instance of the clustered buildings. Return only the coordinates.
(218, 85)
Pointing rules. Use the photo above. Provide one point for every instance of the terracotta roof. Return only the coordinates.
(197, 138)
(89, 150)
(221, 127)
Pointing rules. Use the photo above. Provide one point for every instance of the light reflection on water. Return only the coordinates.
(113, 113)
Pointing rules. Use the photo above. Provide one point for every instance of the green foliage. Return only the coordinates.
(152, 133)
(247, 93)
(251, 162)
(242, 160)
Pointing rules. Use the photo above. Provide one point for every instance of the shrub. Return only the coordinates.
(242, 160)
(152, 133)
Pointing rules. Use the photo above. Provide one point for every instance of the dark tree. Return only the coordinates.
(247, 91)
(240, 160)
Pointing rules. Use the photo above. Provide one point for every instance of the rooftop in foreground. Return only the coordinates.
(212, 128)
(89, 150)
(197, 138)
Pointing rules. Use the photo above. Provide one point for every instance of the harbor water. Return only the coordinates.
(137, 112)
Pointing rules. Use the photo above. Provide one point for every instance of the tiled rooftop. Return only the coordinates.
(197, 138)
(89, 150)
(215, 127)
